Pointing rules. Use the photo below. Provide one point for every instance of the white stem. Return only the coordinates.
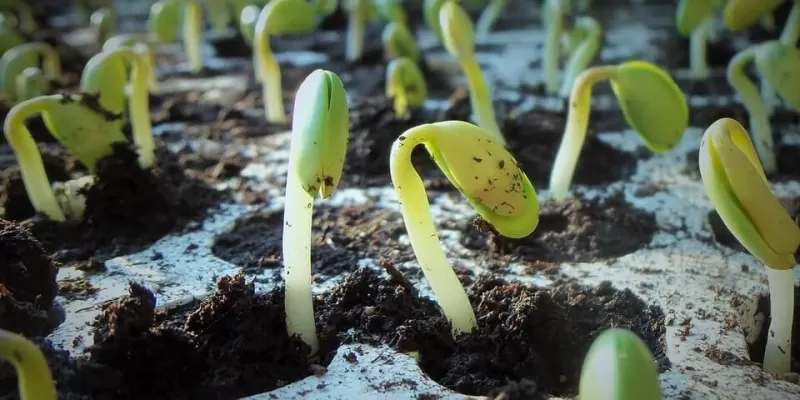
(193, 35)
(778, 354)
(299, 303)
(354, 46)
(698, 49)
(552, 50)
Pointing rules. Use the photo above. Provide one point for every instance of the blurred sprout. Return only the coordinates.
(31, 83)
(167, 16)
(9, 37)
(695, 18)
(219, 13)
(405, 85)
(140, 45)
(590, 36)
(489, 17)
(16, 60)
(360, 13)
(391, 10)
(103, 21)
(398, 41)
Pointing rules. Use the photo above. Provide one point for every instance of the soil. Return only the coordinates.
(572, 230)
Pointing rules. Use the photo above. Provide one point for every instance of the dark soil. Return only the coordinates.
(723, 236)
(575, 230)
(341, 237)
(127, 208)
(756, 349)
(27, 282)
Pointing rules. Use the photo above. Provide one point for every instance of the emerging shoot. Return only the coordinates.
(489, 17)
(278, 17)
(486, 174)
(553, 13)
(738, 15)
(430, 10)
(16, 60)
(219, 14)
(695, 18)
(405, 84)
(105, 74)
(31, 83)
(34, 379)
(398, 42)
(9, 37)
(590, 36)
(359, 13)
(103, 21)
(166, 16)
(619, 366)
(738, 189)
(316, 159)
(459, 41)
(778, 65)
(391, 10)
(79, 124)
(651, 101)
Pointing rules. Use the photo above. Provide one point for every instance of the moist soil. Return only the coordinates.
(234, 343)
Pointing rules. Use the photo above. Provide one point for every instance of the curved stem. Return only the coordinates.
(480, 98)
(34, 378)
(270, 76)
(791, 30)
(759, 119)
(297, 218)
(583, 54)
(356, 22)
(698, 49)
(422, 233)
(554, 24)
(193, 34)
(777, 355)
(31, 166)
(580, 103)
(488, 18)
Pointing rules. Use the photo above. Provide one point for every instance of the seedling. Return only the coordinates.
(167, 16)
(619, 366)
(459, 41)
(359, 13)
(105, 74)
(405, 84)
(489, 17)
(738, 15)
(34, 379)
(21, 10)
(778, 65)
(247, 24)
(695, 19)
(486, 174)
(430, 11)
(791, 30)
(219, 14)
(652, 103)
(31, 83)
(316, 159)
(589, 36)
(16, 60)
(9, 37)
(141, 46)
(78, 122)
(740, 192)
(391, 10)
(103, 21)
(278, 17)
(553, 12)
(398, 41)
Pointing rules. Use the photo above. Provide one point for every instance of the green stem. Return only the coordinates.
(139, 108)
(554, 21)
(791, 30)
(34, 378)
(270, 77)
(30, 161)
(777, 355)
(193, 34)
(698, 49)
(759, 119)
(298, 212)
(583, 54)
(400, 102)
(480, 99)
(355, 32)
(580, 103)
(422, 233)
(488, 18)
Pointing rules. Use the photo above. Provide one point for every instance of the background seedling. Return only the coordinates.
(405, 84)
(167, 16)
(398, 42)
(9, 37)
(695, 19)
(486, 174)
(16, 60)
(738, 189)
(103, 22)
(651, 101)
(489, 17)
(316, 159)
(141, 46)
(589, 35)
(553, 12)
(360, 13)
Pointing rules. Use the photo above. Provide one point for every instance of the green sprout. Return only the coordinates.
(278, 17)
(405, 84)
(106, 74)
(237, 6)
(247, 24)
(165, 20)
(141, 46)
(588, 37)
(430, 10)
(740, 192)
(85, 8)
(398, 41)
(391, 10)
(459, 41)
(738, 15)
(316, 160)
(219, 14)
(553, 14)
(359, 14)
(619, 366)
(24, 56)
(778, 64)
(23, 13)
(489, 17)
(103, 22)
(84, 128)
(9, 37)
(32, 82)
(651, 101)
(486, 174)
(695, 19)
(324, 8)
(791, 30)
(34, 379)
